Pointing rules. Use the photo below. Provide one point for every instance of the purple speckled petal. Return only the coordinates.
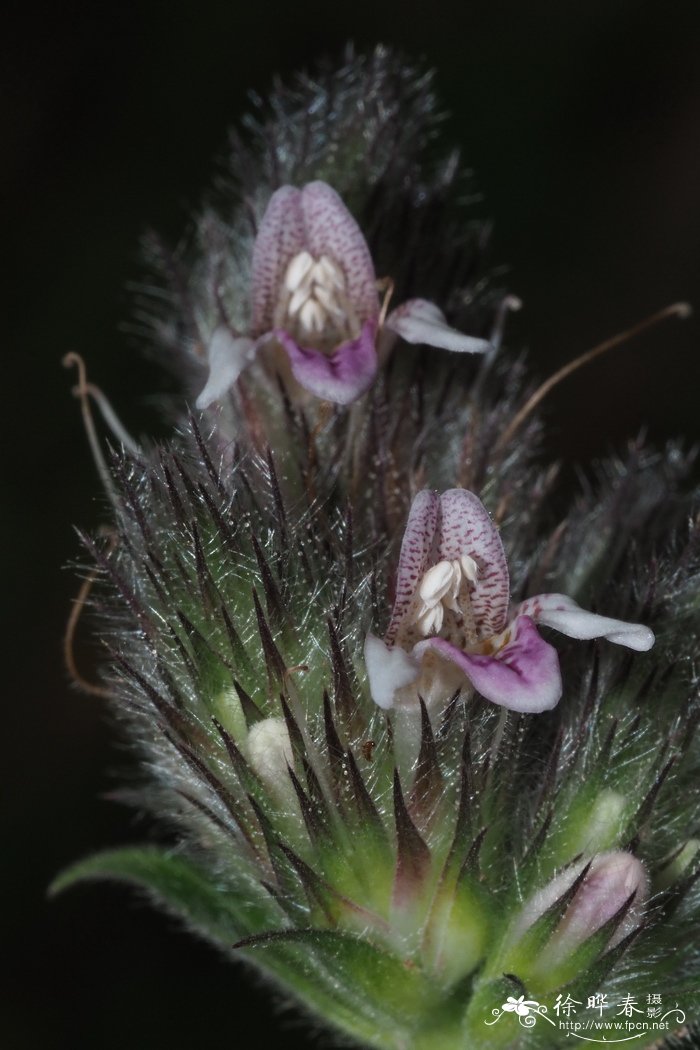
(524, 675)
(340, 377)
(563, 614)
(228, 355)
(417, 554)
(466, 528)
(330, 230)
(280, 237)
(420, 321)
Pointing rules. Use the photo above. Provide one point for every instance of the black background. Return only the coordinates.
(581, 122)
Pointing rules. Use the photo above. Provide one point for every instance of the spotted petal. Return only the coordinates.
(523, 675)
(466, 528)
(388, 670)
(417, 554)
(330, 229)
(228, 355)
(420, 321)
(280, 237)
(563, 614)
(340, 377)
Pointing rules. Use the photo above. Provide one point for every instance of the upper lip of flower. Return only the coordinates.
(452, 599)
(314, 291)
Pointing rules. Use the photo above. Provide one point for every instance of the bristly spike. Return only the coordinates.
(464, 810)
(246, 775)
(174, 717)
(251, 711)
(276, 609)
(223, 527)
(208, 812)
(315, 793)
(412, 854)
(643, 813)
(189, 485)
(181, 516)
(471, 860)
(279, 864)
(216, 787)
(200, 646)
(274, 662)
(210, 596)
(206, 458)
(108, 566)
(607, 745)
(336, 755)
(316, 827)
(539, 838)
(345, 701)
(131, 500)
(593, 696)
(277, 496)
(349, 543)
(185, 656)
(240, 656)
(631, 733)
(428, 782)
(155, 583)
(296, 736)
(366, 810)
(449, 715)
(314, 887)
(552, 771)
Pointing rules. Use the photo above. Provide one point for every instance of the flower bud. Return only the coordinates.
(270, 755)
(677, 865)
(611, 881)
(601, 828)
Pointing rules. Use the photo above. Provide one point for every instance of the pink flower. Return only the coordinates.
(314, 293)
(452, 619)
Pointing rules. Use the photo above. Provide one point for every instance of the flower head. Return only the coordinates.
(314, 294)
(452, 617)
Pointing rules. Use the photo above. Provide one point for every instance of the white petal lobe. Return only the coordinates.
(388, 670)
(420, 321)
(228, 355)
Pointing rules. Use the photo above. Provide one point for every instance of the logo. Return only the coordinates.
(601, 1020)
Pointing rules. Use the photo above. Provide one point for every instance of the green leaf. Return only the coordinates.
(178, 884)
(358, 986)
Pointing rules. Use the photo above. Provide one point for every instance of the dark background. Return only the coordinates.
(581, 122)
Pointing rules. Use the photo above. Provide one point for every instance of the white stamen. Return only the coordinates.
(315, 299)
(329, 273)
(440, 589)
(430, 620)
(436, 583)
(469, 568)
(299, 297)
(298, 269)
(312, 316)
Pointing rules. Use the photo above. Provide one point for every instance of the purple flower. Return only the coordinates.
(452, 619)
(314, 294)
